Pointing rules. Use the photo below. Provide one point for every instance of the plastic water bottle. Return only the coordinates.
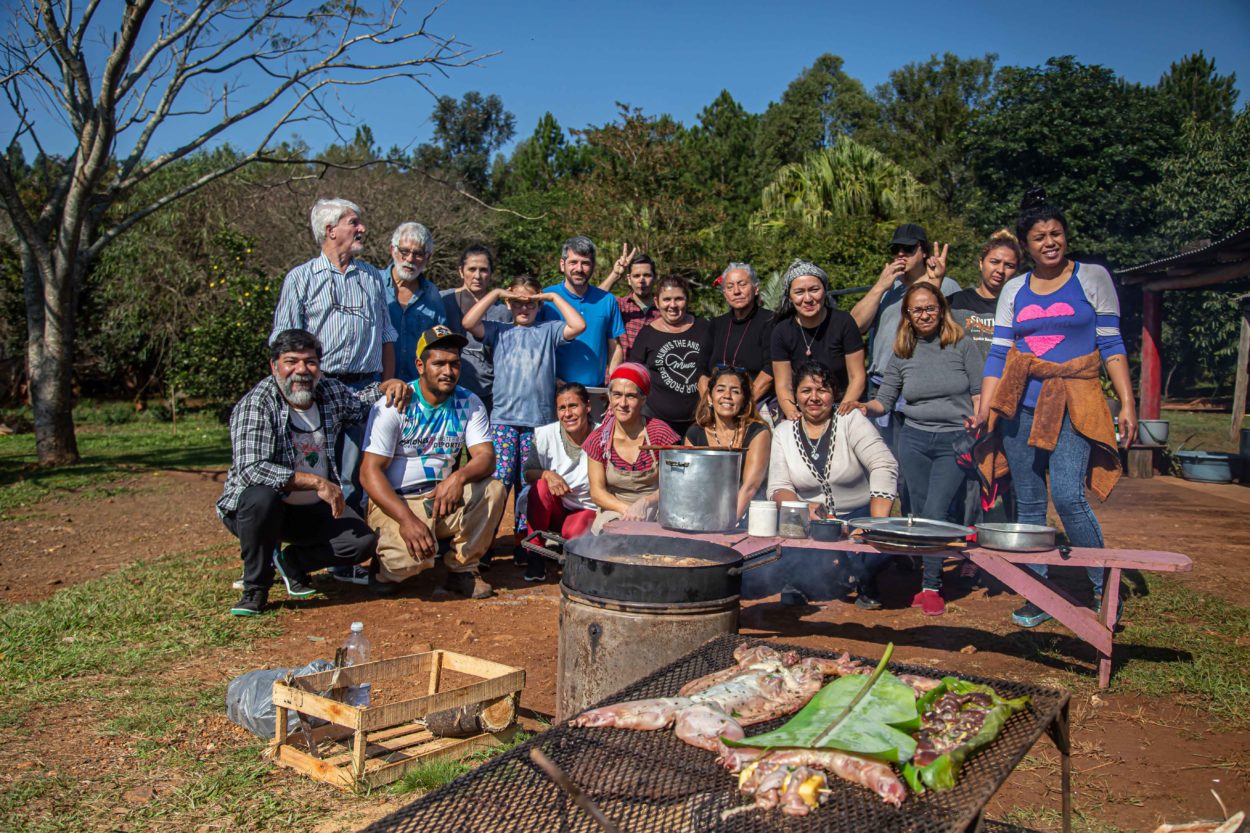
(356, 652)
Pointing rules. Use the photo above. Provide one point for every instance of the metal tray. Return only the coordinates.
(912, 527)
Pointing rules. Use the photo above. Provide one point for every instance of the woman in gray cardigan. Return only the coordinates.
(936, 371)
(837, 463)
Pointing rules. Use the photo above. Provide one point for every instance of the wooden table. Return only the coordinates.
(1142, 460)
(1098, 629)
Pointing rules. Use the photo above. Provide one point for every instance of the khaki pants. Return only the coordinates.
(471, 527)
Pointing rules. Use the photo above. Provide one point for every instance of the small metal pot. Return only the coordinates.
(828, 529)
(1016, 537)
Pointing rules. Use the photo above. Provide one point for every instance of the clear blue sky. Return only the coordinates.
(577, 58)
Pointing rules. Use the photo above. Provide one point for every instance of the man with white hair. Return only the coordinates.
(283, 484)
(414, 302)
(341, 301)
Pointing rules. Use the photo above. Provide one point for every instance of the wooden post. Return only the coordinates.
(1151, 365)
(1243, 370)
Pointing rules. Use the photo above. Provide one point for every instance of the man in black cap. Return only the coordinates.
(415, 494)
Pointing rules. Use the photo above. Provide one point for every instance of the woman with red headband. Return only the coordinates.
(624, 478)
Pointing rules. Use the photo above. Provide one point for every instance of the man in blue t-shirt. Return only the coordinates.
(589, 358)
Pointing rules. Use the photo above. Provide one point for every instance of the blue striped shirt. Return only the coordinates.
(346, 312)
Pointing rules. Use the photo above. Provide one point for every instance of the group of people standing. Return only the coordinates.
(452, 400)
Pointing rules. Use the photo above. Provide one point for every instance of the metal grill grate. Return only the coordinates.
(651, 781)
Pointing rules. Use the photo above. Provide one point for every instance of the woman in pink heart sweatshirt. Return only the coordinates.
(1054, 327)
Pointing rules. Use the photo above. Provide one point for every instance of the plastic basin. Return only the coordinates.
(1207, 466)
(1152, 432)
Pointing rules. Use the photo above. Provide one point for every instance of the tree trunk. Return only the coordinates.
(51, 298)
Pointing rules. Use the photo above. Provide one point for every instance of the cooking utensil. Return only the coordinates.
(699, 489)
(828, 529)
(658, 569)
(912, 527)
(1016, 537)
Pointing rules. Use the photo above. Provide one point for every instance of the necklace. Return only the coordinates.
(807, 343)
(813, 448)
(720, 442)
(724, 353)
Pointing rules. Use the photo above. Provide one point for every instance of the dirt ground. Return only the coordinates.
(1138, 761)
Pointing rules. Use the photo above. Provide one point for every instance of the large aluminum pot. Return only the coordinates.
(699, 489)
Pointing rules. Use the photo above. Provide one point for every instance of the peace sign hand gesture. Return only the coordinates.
(935, 264)
(627, 254)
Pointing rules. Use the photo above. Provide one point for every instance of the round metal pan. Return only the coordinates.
(912, 527)
(1016, 537)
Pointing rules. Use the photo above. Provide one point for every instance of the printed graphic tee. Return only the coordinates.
(976, 315)
(675, 361)
(308, 438)
(424, 441)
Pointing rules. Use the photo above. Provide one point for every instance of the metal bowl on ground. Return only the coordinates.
(1016, 537)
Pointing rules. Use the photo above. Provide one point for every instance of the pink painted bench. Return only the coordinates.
(1098, 629)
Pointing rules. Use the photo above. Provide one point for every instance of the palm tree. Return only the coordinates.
(845, 180)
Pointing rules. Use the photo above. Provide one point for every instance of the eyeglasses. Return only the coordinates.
(407, 253)
(929, 310)
(900, 249)
(337, 303)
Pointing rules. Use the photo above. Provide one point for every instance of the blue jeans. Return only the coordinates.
(933, 478)
(1067, 466)
(349, 456)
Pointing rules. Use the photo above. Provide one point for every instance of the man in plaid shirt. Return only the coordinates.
(283, 484)
(638, 308)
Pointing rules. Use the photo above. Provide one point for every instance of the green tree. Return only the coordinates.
(823, 103)
(541, 160)
(723, 148)
(846, 180)
(1091, 140)
(1192, 89)
(117, 78)
(466, 135)
(925, 112)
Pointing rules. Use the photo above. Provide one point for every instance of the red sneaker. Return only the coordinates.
(930, 602)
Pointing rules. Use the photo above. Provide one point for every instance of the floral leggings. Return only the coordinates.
(512, 445)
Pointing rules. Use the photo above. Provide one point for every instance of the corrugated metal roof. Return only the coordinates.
(1206, 254)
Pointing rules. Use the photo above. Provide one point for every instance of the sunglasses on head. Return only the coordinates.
(901, 249)
(735, 368)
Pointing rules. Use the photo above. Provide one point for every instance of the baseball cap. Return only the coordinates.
(909, 234)
(439, 336)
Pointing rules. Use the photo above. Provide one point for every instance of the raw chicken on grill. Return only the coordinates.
(794, 778)
(763, 685)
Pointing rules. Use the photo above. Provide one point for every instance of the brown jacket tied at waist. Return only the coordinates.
(1073, 388)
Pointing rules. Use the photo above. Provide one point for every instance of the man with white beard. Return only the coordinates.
(413, 301)
(283, 483)
(342, 302)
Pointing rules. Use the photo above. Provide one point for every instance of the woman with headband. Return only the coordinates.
(625, 478)
(809, 328)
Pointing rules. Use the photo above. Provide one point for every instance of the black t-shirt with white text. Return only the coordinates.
(675, 360)
(976, 315)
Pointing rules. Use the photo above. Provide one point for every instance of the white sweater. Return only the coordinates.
(861, 465)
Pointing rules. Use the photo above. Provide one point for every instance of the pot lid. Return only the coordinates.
(912, 527)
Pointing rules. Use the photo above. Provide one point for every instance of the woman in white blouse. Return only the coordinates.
(836, 463)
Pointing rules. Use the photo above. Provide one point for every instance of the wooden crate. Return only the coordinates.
(362, 748)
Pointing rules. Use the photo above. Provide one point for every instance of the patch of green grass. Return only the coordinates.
(432, 775)
(1188, 647)
(111, 450)
(43, 790)
(1049, 818)
(1199, 430)
(119, 627)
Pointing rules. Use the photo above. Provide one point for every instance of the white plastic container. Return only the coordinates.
(762, 519)
(356, 650)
